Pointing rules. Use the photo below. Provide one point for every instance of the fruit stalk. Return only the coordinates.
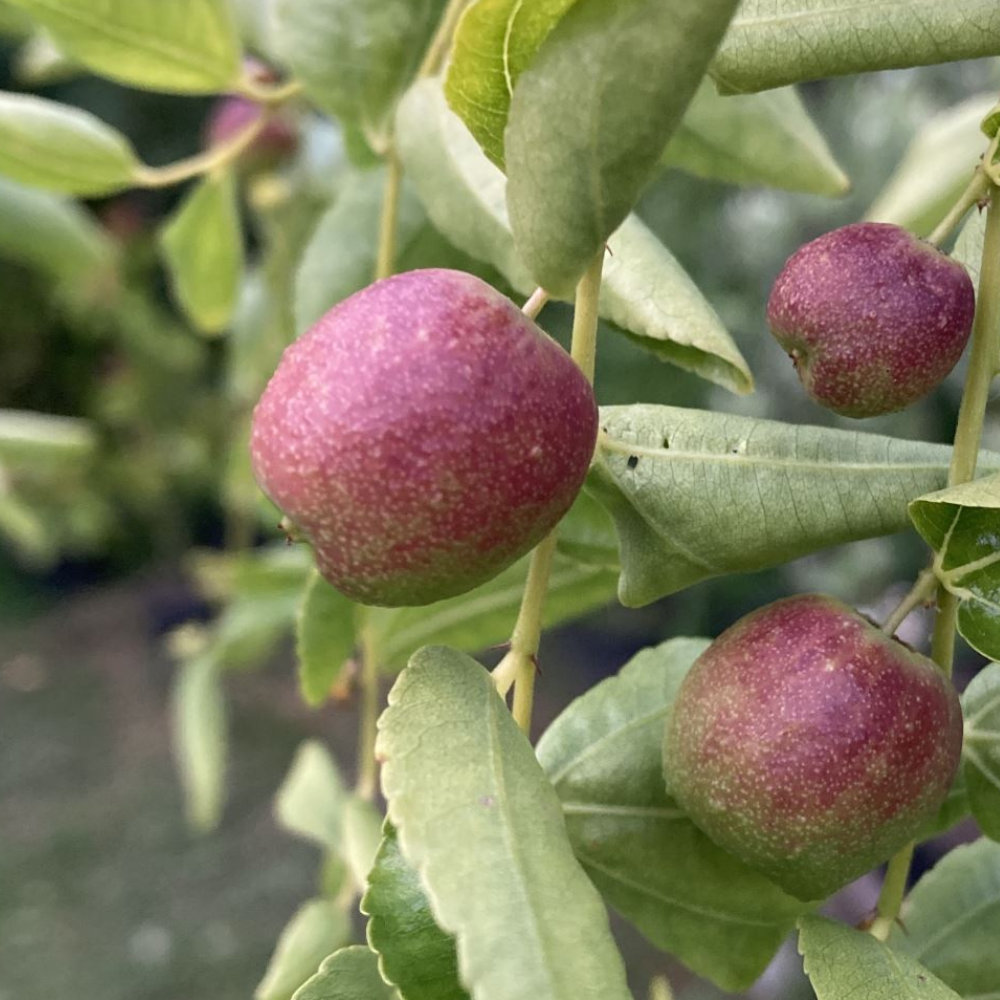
(520, 663)
(968, 434)
(367, 763)
(385, 261)
(438, 48)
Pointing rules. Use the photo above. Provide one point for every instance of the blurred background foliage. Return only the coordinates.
(128, 531)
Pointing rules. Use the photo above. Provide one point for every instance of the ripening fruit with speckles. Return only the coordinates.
(810, 744)
(423, 435)
(872, 317)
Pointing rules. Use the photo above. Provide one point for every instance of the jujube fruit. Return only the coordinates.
(810, 744)
(423, 435)
(231, 115)
(872, 317)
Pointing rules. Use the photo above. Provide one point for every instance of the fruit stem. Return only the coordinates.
(659, 989)
(536, 303)
(520, 664)
(891, 897)
(212, 160)
(440, 43)
(367, 731)
(920, 591)
(976, 190)
(964, 455)
(385, 261)
(527, 632)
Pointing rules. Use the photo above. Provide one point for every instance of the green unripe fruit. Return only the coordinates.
(810, 744)
(423, 435)
(872, 317)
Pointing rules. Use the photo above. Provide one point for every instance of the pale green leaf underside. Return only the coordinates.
(324, 631)
(203, 250)
(952, 917)
(771, 43)
(31, 439)
(495, 40)
(843, 962)
(645, 292)
(485, 616)
(962, 524)
(354, 58)
(749, 139)
(61, 148)
(981, 748)
(312, 799)
(185, 46)
(319, 927)
(65, 243)
(488, 839)
(589, 118)
(968, 249)
(696, 494)
(198, 716)
(349, 974)
(414, 953)
(935, 168)
(603, 755)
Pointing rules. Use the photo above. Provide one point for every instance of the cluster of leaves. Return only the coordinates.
(521, 164)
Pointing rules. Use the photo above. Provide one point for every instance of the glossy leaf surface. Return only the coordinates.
(981, 748)
(185, 46)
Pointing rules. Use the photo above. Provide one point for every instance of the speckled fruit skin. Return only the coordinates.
(810, 744)
(424, 434)
(872, 317)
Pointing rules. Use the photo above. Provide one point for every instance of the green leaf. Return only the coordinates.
(463, 193)
(649, 296)
(354, 59)
(36, 440)
(203, 250)
(488, 838)
(951, 918)
(603, 755)
(486, 615)
(340, 257)
(349, 974)
(645, 292)
(324, 638)
(587, 534)
(362, 836)
(774, 42)
(696, 494)
(319, 927)
(962, 525)
(765, 138)
(39, 62)
(981, 748)
(841, 961)
(968, 249)
(198, 715)
(65, 243)
(935, 168)
(415, 955)
(990, 124)
(494, 42)
(184, 46)
(62, 148)
(954, 808)
(617, 79)
(312, 799)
